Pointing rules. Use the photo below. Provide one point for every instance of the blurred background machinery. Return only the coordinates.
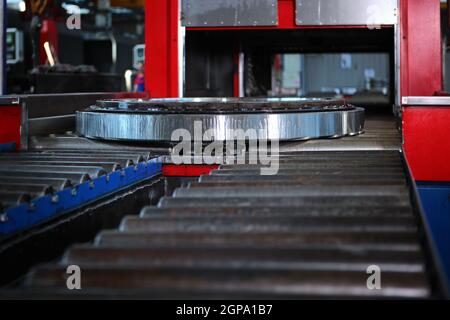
(72, 46)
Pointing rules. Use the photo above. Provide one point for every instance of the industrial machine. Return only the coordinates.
(355, 191)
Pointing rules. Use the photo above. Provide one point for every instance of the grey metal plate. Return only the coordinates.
(229, 13)
(372, 13)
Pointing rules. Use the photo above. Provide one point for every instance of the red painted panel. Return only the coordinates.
(427, 144)
(170, 170)
(286, 14)
(10, 123)
(161, 38)
(421, 52)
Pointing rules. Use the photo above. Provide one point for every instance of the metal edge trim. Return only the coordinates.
(434, 264)
(426, 101)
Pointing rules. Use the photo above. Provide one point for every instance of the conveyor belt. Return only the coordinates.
(40, 185)
(311, 231)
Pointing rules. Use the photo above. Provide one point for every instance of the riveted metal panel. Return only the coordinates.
(372, 13)
(229, 13)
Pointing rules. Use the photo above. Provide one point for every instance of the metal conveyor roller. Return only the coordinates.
(311, 231)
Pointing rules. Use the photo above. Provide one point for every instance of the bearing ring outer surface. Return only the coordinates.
(281, 119)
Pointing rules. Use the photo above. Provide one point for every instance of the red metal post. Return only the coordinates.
(421, 52)
(286, 20)
(425, 129)
(161, 38)
(236, 75)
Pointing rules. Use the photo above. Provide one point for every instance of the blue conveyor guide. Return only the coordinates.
(39, 186)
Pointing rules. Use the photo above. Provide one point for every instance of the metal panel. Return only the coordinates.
(226, 13)
(346, 12)
(162, 47)
(52, 105)
(426, 101)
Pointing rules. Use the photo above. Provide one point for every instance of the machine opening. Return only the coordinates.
(354, 76)
(357, 64)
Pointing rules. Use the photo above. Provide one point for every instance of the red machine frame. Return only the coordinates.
(425, 129)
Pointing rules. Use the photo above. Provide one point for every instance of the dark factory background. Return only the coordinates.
(108, 44)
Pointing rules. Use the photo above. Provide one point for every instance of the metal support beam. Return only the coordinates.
(162, 25)
(421, 62)
(425, 118)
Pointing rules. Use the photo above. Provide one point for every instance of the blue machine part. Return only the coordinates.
(7, 147)
(435, 199)
(28, 215)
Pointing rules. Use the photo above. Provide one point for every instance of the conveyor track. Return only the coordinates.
(40, 185)
(310, 231)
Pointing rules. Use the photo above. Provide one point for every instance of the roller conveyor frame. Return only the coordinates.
(83, 181)
(129, 265)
